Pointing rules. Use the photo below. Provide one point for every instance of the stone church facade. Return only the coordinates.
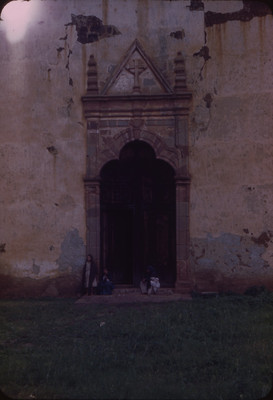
(139, 132)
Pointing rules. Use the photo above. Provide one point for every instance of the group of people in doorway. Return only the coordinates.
(93, 285)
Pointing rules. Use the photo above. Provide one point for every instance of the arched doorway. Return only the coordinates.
(137, 203)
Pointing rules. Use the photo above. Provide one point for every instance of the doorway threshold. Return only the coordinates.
(134, 297)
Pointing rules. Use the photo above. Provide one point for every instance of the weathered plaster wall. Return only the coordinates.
(42, 158)
(43, 144)
(231, 156)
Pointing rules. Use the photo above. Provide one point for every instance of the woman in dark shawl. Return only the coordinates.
(90, 275)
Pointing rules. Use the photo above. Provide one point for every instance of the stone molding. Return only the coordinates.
(138, 106)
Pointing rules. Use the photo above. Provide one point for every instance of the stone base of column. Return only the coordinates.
(183, 287)
(183, 283)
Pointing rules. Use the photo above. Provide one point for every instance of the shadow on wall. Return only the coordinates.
(72, 255)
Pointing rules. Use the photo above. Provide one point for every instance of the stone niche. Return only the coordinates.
(137, 180)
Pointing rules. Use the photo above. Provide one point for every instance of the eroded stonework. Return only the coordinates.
(91, 29)
(250, 10)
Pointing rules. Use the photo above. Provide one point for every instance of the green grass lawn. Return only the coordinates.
(220, 348)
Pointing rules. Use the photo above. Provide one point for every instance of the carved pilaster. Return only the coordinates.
(92, 202)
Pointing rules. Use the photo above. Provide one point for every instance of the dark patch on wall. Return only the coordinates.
(60, 49)
(178, 34)
(208, 100)
(52, 150)
(68, 59)
(196, 5)
(2, 247)
(63, 38)
(91, 29)
(251, 9)
(263, 239)
(35, 268)
(203, 52)
(269, 3)
(70, 102)
(73, 252)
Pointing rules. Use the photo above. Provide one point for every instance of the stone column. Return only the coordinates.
(92, 202)
(183, 282)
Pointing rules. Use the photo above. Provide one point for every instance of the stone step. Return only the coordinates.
(127, 289)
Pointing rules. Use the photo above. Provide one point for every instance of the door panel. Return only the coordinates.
(117, 244)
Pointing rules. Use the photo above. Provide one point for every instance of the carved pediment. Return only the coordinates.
(136, 74)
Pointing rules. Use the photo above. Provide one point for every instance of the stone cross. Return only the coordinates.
(136, 67)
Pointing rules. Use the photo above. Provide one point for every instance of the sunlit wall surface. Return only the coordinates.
(17, 16)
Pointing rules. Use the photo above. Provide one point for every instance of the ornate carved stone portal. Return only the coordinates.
(137, 180)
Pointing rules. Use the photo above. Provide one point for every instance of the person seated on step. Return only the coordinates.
(105, 285)
(150, 283)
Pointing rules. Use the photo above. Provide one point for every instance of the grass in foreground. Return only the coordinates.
(210, 349)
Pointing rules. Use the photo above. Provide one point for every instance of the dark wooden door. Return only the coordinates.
(138, 216)
(117, 234)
